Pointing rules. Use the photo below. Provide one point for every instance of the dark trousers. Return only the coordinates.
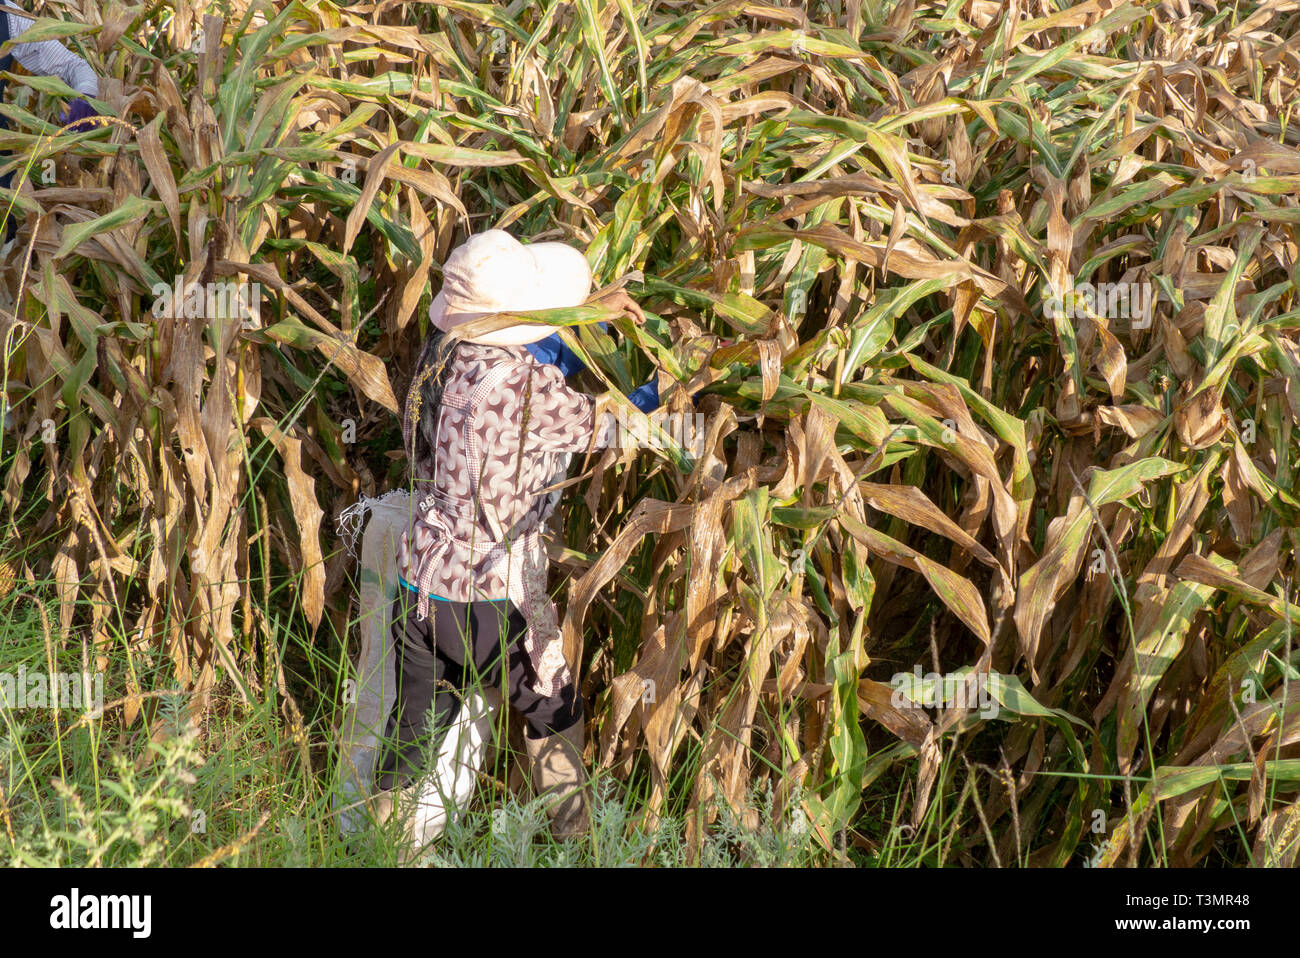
(10, 220)
(460, 647)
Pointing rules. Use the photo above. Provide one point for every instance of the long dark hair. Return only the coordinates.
(431, 371)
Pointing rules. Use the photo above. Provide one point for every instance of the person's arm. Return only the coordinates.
(553, 350)
(51, 58)
(646, 398)
(561, 419)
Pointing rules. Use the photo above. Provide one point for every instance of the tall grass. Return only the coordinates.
(855, 229)
(233, 790)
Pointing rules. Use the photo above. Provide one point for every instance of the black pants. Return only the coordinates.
(458, 648)
(10, 216)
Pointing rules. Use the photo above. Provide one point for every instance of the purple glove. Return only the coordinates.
(77, 112)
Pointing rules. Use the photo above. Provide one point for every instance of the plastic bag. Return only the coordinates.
(370, 694)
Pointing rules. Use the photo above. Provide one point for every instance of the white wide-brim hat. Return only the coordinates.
(492, 272)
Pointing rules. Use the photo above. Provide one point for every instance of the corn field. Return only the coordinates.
(989, 311)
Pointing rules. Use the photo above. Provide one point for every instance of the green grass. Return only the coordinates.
(241, 787)
(236, 790)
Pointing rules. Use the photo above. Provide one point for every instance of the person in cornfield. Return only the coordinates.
(42, 58)
(489, 426)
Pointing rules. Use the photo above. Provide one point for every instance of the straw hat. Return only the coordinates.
(492, 272)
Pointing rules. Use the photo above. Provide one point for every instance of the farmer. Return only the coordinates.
(43, 58)
(487, 428)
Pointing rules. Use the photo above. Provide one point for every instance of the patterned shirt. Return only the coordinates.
(507, 429)
(50, 57)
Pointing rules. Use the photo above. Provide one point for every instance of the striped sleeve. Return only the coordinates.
(52, 58)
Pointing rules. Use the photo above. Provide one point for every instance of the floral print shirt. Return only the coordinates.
(507, 429)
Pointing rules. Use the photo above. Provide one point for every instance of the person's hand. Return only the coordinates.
(621, 300)
(78, 112)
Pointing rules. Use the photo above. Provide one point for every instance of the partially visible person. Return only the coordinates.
(42, 58)
(489, 431)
